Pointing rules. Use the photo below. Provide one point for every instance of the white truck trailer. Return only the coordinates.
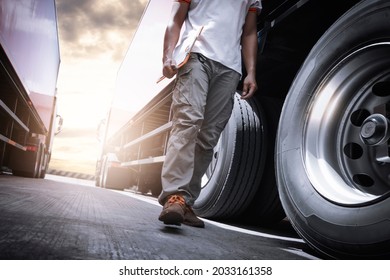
(29, 65)
(313, 144)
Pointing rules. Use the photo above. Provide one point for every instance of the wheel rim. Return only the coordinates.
(341, 165)
(210, 170)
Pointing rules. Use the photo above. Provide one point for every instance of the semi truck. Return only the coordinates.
(312, 145)
(29, 65)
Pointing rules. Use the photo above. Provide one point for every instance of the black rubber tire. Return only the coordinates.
(266, 208)
(98, 173)
(27, 163)
(338, 230)
(116, 178)
(42, 163)
(150, 179)
(235, 173)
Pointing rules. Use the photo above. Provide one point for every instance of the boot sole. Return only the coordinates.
(194, 224)
(171, 218)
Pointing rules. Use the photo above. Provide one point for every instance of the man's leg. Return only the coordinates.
(188, 103)
(193, 137)
(217, 113)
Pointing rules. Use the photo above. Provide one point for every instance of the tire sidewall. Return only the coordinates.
(212, 190)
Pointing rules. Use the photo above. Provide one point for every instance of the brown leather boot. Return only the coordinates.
(190, 219)
(173, 210)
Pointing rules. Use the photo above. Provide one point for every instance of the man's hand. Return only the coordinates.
(172, 33)
(249, 87)
(169, 68)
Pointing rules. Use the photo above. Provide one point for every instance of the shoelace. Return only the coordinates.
(176, 199)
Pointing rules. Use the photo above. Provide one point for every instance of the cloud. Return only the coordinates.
(94, 36)
(90, 28)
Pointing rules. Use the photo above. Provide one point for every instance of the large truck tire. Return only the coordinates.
(27, 163)
(266, 208)
(150, 179)
(332, 159)
(44, 163)
(237, 166)
(113, 176)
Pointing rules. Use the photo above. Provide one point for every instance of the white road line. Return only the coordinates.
(221, 225)
(152, 200)
(301, 253)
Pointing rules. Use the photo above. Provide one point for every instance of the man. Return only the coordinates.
(202, 99)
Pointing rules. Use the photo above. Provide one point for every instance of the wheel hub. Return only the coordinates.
(347, 155)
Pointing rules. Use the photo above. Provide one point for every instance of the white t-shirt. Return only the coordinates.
(223, 21)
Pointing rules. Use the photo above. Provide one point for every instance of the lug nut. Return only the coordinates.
(375, 130)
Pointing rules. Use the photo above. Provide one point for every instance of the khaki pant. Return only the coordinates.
(202, 103)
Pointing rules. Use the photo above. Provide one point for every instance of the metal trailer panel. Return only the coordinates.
(142, 66)
(28, 34)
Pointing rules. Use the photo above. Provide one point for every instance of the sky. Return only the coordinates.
(94, 37)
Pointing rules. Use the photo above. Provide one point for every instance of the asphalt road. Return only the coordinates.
(62, 219)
